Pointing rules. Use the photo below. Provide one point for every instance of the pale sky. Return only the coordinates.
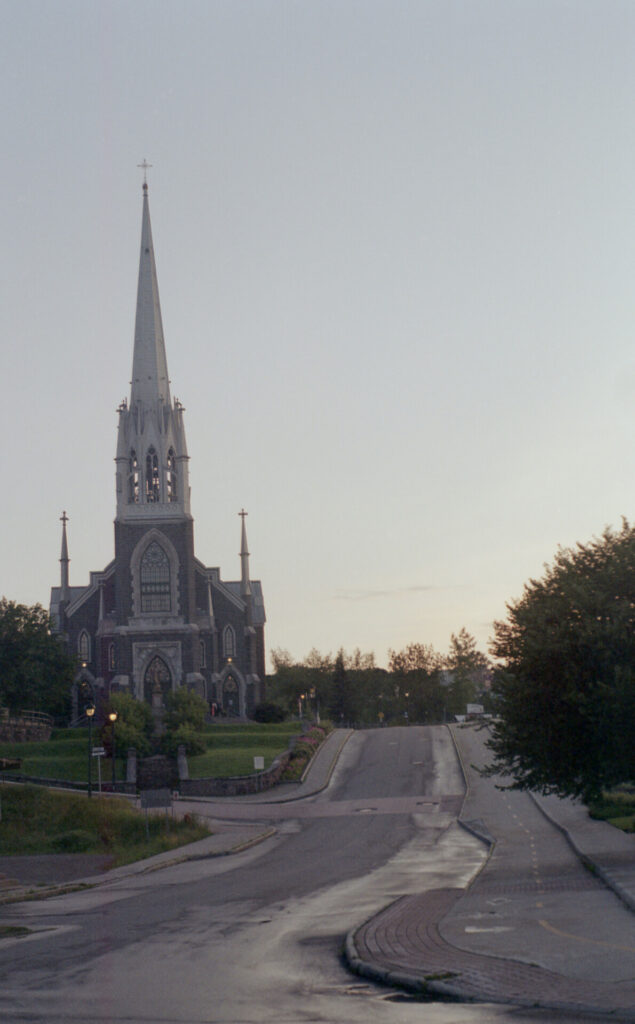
(395, 244)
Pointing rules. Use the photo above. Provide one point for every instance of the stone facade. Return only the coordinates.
(156, 617)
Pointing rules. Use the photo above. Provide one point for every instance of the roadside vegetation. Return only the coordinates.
(225, 750)
(63, 756)
(303, 750)
(230, 749)
(616, 807)
(37, 820)
(565, 690)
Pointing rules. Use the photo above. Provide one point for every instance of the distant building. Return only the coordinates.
(156, 618)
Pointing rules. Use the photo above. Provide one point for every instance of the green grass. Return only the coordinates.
(36, 820)
(230, 750)
(617, 807)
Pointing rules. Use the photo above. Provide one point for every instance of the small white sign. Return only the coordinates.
(99, 751)
(259, 763)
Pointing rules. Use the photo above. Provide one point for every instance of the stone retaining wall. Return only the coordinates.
(239, 785)
(18, 730)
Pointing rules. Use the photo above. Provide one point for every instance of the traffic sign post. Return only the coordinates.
(99, 752)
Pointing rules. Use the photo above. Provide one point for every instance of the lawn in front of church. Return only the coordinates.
(230, 749)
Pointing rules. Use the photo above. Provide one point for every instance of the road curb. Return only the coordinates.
(589, 863)
(138, 867)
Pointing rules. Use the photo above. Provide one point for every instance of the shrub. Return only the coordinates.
(185, 735)
(269, 712)
(74, 841)
(133, 727)
(185, 707)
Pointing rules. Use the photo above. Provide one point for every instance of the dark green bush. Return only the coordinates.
(185, 707)
(74, 841)
(268, 712)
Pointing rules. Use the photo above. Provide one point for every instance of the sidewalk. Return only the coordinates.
(403, 944)
(39, 876)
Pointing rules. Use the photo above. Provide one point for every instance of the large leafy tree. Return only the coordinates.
(35, 671)
(565, 691)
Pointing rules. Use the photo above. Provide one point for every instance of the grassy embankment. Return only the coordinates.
(230, 750)
(616, 807)
(38, 820)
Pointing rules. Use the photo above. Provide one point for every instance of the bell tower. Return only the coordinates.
(154, 531)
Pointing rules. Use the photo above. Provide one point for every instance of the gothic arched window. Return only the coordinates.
(112, 658)
(155, 579)
(133, 478)
(152, 476)
(229, 642)
(172, 480)
(202, 649)
(83, 646)
(157, 678)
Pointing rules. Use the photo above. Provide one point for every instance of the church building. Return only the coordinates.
(156, 618)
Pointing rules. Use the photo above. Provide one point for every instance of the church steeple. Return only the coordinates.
(150, 382)
(152, 470)
(65, 592)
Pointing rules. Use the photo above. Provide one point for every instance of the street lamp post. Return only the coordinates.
(112, 715)
(90, 711)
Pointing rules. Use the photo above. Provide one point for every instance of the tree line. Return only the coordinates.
(419, 685)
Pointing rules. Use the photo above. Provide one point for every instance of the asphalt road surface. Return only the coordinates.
(256, 937)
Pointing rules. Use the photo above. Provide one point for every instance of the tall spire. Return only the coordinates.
(245, 583)
(152, 471)
(64, 560)
(150, 380)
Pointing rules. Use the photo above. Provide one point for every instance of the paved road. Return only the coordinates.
(256, 937)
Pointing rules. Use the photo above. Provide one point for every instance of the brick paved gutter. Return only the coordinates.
(402, 946)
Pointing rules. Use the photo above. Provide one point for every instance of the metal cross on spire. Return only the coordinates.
(145, 166)
(64, 517)
(242, 514)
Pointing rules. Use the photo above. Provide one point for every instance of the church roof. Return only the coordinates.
(234, 587)
(149, 364)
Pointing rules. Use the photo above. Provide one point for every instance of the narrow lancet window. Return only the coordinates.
(83, 646)
(155, 580)
(229, 642)
(152, 476)
(112, 658)
(171, 479)
(133, 478)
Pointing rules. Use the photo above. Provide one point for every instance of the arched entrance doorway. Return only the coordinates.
(157, 676)
(230, 696)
